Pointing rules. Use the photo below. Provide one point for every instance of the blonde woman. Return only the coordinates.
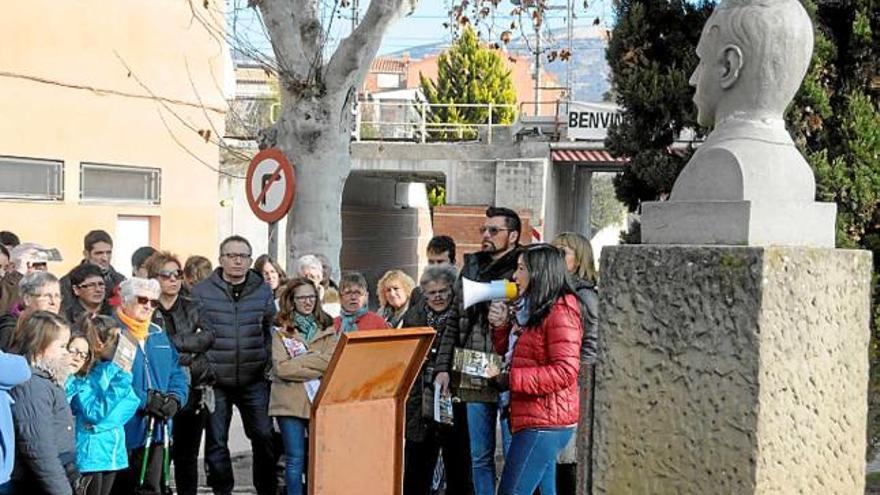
(579, 264)
(394, 288)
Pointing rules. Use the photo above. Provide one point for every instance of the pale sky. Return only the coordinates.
(424, 26)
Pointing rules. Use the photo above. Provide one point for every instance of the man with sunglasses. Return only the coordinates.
(88, 285)
(238, 307)
(469, 329)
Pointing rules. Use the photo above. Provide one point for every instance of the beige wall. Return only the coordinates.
(65, 94)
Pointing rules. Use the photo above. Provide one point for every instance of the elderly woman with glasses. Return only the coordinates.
(424, 437)
(178, 315)
(39, 291)
(158, 379)
(356, 314)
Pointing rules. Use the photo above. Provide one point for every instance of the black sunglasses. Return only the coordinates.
(144, 300)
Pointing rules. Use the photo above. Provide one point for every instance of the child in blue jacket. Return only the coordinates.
(102, 401)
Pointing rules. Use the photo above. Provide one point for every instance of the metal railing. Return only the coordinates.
(409, 120)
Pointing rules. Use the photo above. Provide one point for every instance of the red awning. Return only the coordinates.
(585, 156)
(596, 157)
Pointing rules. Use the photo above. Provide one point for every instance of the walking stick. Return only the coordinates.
(166, 459)
(150, 427)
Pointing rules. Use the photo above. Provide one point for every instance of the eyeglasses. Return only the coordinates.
(438, 294)
(52, 297)
(491, 229)
(169, 274)
(144, 300)
(305, 298)
(92, 285)
(353, 293)
(237, 256)
(78, 353)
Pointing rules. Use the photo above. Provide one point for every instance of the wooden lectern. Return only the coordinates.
(359, 413)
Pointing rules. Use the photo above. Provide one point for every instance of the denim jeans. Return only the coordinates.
(531, 461)
(293, 432)
(253, 405)
(482, 420)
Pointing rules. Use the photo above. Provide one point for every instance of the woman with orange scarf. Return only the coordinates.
(159, 381)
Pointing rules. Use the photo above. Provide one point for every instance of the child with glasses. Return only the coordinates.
(301, 351)
(102, 401)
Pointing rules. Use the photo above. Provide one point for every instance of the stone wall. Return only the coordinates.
(732, 370)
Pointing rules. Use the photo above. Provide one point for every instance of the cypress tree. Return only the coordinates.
(468, 73)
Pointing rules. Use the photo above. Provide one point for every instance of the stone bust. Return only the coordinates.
(753, 56)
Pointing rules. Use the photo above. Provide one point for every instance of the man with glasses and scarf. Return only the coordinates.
(237, 305)
(469, 329)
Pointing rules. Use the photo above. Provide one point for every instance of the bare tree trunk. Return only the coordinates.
(320, 156)
(314, 130)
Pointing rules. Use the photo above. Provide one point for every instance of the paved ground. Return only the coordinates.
(241, 464)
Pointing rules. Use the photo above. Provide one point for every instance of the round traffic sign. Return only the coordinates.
(270, 185)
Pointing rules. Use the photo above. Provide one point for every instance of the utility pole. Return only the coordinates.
(537, 69)
(570, 29)
(355, 11)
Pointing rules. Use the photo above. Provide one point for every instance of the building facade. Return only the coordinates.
(111, 111)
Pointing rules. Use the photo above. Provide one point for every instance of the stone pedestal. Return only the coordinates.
(739, 223)
(736, 370)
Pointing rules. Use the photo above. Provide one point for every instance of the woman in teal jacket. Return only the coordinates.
(102, 401)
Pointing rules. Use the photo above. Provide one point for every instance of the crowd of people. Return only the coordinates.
(107, 381)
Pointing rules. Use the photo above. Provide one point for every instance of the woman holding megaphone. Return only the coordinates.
(542, 342)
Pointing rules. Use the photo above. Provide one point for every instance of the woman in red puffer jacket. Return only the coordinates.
(542, 347)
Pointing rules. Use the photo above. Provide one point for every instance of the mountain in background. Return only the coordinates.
(590, 71)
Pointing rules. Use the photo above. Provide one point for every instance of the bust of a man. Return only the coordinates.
(753, 56)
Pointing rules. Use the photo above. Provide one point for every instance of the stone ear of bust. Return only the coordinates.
(732, 60)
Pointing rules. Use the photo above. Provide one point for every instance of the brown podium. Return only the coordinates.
(358, 416)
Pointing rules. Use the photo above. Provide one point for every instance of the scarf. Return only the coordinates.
(58, 370)
(437, 321)
(394, 317)
(523, 311)
(139, 329)
(306, 325)
(349, 320)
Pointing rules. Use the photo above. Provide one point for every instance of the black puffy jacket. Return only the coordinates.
(191, 342)
(469, 328)
(242, 329)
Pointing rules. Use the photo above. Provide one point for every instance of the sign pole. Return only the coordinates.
(273, 240)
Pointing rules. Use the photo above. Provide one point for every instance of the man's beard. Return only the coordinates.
(489, 247)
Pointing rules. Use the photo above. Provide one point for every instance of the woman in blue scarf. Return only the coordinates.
(356, 315)
(301, 352)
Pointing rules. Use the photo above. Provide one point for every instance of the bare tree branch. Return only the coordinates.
(351, 61)
(295, 33)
